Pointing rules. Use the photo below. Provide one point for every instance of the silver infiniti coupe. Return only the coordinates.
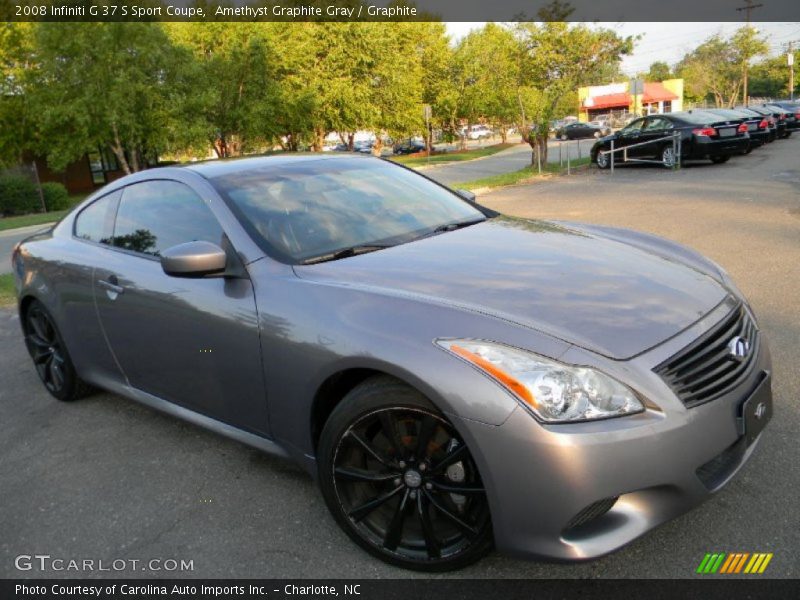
(454, 378)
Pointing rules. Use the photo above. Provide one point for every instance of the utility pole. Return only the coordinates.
(748, 8)
(790, 60)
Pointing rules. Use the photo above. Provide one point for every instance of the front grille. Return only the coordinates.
(706, 368)
(592, 512)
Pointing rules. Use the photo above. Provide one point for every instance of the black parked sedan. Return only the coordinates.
(775, 129)
(577, 131)
(409, 147)
(781, 122)
(786, 112)
(757, 126)
(703, 135)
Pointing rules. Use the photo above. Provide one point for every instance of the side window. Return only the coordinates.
(96, 222)
(156, 215)
(632, 127)
(657, 124)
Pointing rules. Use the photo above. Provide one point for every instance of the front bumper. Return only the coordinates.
(541, 479)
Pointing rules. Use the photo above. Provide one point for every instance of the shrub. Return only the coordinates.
(56, 196)
(18, 195)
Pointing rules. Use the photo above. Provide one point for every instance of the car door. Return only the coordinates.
(654, 128)
(73, 272)
(628, 136)
(191, 341)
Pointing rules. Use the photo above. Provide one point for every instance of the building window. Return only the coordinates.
(667, 106)
(96, 167)
(100, 163)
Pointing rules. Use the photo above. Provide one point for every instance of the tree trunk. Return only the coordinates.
(503, 135)
(119, 151)
(377, 147)
(221, 147)
(538, 143)
(319, 140)
(134, 159)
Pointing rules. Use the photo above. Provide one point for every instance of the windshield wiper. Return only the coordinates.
(345, 252)
(450, 227)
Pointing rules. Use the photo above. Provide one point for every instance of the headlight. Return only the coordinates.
(554, 392)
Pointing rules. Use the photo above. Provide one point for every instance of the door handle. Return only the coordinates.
(111, 285)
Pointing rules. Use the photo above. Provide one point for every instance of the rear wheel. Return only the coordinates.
(401, 482)
(718, 160)
(563, 137)
(50, 356)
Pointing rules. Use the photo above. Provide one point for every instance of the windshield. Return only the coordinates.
(309, 208)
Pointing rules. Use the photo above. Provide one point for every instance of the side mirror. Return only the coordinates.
(467, 195)
(193, 259)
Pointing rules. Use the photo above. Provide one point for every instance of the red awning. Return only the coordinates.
(656, 92)
(621, 100)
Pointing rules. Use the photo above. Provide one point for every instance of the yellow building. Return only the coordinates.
(658, 97)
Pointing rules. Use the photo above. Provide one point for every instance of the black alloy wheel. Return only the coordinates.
(402, 482)
(50, 356)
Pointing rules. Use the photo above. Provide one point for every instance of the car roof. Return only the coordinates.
(217, 168)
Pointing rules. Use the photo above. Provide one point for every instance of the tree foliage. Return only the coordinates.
(715, 69)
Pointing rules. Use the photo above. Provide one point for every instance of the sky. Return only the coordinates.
(668, 42)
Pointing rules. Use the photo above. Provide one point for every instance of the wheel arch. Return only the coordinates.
(333, 389)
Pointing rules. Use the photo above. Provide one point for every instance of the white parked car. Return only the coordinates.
(477, 132)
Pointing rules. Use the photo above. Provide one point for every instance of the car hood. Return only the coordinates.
(585, 288)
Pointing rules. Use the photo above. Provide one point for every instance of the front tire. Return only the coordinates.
(603, 160)
(401, 482)
(50, 356)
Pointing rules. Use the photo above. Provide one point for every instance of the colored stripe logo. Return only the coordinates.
(734, 562)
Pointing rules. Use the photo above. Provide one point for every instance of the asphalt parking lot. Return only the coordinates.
(105, 478)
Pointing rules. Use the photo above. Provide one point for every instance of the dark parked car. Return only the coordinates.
(786, 112)
(772, 123)
(452, 377)
(409, 147)
(576, 131)
(781, 123)
(757, 126)
(703, 135)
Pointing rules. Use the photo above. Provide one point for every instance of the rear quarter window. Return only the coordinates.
(95, 223)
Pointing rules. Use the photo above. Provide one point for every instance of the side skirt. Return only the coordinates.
(186, 414)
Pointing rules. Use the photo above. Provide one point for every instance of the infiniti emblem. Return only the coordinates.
(760, 410)
(738, 348)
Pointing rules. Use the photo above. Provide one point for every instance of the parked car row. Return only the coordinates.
(713, 134)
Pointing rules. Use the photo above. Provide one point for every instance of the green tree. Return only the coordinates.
(716, 70)
(489, 72)
(769, 78)
(102, 85)
(555, 58)
(747, 44)
(16, 64)
(231, 87)
(659, 71)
